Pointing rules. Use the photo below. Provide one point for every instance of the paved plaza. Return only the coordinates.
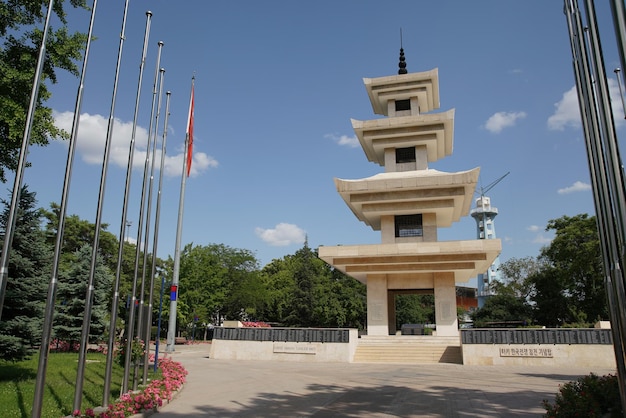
(232, 388)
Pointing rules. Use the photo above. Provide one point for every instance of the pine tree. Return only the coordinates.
(306, 274)
(29, 270)
(71, 294)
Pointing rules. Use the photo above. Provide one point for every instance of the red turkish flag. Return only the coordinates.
(190, 134)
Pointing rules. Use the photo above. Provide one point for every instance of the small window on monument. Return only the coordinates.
(409, 225)
(403, 105)
(405, 155)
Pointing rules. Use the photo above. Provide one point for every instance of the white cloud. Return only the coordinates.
(92, 131)
(174, 165)
(539, 238)
(578, 186)
(344, 140)
(542, 239)
(282, 235)
(567, 112)
(500, 120)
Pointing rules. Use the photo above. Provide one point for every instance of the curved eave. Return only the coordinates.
(448, 195)
(466, 259)
(435, 131)
(423, 85)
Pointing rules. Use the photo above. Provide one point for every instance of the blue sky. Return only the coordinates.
(277, 83)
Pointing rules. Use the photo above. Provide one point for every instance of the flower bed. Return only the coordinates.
(256, 324)
(150, 398)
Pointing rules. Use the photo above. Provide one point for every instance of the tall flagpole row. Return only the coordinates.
(129, 169)
(116, 286)
(605, 168)
(598, 172)
(82, 355)
(143, 315)
(617, 195)
(50, 300)
(21, 165)
(131, 316)
(155, 241)
(171, 331)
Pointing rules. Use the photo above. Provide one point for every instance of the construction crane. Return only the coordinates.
(491, 185)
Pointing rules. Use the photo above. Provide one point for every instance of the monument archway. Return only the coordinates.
(392, 302)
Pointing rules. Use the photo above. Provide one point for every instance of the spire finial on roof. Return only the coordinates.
(402, 63)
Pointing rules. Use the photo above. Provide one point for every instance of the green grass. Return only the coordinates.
(17, 385)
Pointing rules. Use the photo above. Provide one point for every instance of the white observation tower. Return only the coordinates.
(484, 215)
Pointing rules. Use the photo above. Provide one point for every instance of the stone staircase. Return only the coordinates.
(408, 349)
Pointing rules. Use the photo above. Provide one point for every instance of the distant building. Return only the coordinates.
(484, 215)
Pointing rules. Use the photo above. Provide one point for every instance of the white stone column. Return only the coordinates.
(377, 316)
(445, 305)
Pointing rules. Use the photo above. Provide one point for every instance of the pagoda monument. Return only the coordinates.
(408, 203)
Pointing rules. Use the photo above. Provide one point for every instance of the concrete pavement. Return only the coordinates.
(231, 388)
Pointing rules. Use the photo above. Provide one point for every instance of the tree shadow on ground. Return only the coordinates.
(566, 377)
(384, 401)
(11, 372)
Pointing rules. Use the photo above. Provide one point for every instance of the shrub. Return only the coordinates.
(137, 351)
(589, 396)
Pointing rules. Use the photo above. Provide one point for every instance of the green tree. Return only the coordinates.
(517, 277)
(202, 287)
(503, 307)
(278, 281)
(72, 290)
(245, 293)
(512, 297)
(306, 274)
(570, 288)
(346, 303)
(29, 273)
(79, 232)
(302, 290)
(21, 25)
(415, 309)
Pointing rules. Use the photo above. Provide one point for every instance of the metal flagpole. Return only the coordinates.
(621, 93)
(171, 331)
(155, 240)
(158, 336)
(116, 286)
(50, 300)
(21, 165)
(131, 316)
(619, 24)
(142, 304)
(120, 254)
